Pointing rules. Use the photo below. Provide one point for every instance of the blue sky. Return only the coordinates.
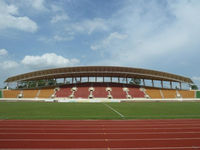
(153, 34)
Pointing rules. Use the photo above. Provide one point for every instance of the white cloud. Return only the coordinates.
(58, 18)
(154, 30)
(48, 60)
(9, 19)
(38, 4)
(56, 8)
(196, 78)
(57, 38)
(62, 38)
(109, 40)
(3, 52)
(8, 64)
(88, 26)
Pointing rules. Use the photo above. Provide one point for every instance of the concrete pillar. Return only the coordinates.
(55, 81)
(162, 83)
(152, 83)
(46, 82)
(171, 84)
(17, 84)
(7, 86)
(180, 85)
(143, 82)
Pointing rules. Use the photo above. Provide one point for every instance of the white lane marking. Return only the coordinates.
(114, 110)
(65, 140)
(115, 133)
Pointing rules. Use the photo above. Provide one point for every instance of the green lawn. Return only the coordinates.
(142, 110)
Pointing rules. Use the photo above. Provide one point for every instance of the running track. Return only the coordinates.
(180, 134)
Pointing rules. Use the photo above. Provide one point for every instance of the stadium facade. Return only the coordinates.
(99, 82)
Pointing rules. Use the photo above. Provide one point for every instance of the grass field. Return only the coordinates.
(56, 111)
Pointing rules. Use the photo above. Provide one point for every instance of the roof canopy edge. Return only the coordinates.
(99, 71)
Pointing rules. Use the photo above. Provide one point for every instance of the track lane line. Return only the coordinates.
(141, 139)
(100, 133)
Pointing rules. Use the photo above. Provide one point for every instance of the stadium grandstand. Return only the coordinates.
(99, 82)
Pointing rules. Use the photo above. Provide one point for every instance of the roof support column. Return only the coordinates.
(17, 84)
(7, 85)
(103, 78)
(88, 79)
(143, 82)
(162, 83)
(96, 79)
(36, 83)
(171, 84)
(180, 85)
(152, 83)
(55, 81)
(72, 80)
(46, 82)
(80, 79)
(111, 79)
(126, 80)
(64, 80)
(118, 80)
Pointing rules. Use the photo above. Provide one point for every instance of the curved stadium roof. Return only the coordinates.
(99, 71)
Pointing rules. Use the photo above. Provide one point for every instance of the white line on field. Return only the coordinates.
(114, 110)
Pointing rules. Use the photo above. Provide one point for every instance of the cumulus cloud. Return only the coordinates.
(154, 30)
(9, 18)
(58, 18)
(48, 60)
(62, 38)
(8, 64)
(109, 40)
(57, 38)
(88, 26)
(3, 52)
(38, 4)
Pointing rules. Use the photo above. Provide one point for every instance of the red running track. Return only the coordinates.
(177, 134)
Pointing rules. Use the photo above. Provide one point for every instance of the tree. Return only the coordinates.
(194, 87)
